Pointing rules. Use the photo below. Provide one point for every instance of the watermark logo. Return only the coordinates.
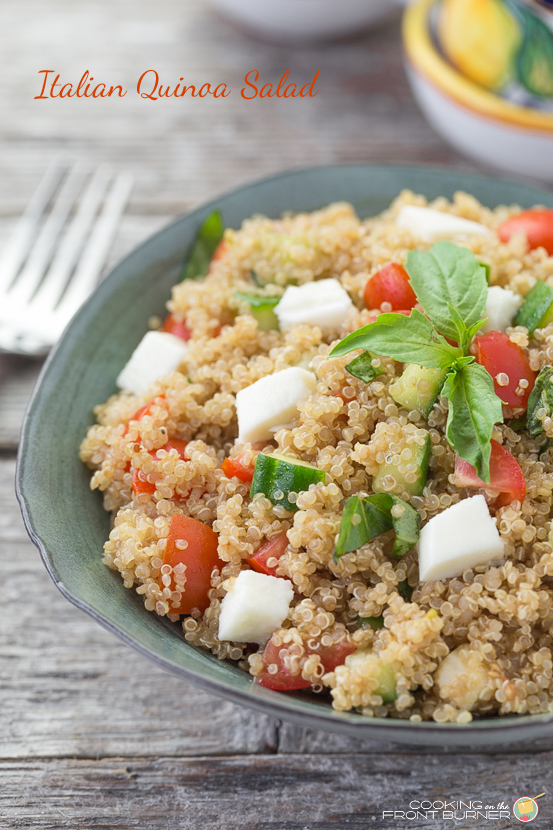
(525, 808)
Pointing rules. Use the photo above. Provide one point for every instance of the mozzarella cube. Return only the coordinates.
(501, 306)
(427, 223)
(463, 536)
(323, 303)
(158, 354)
(272, 401)
(255, 606)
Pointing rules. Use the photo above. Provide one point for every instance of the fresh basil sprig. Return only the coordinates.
(448, 277)
(366, 518)
(410, 339)
(451, 286)
(208, 237)
(474, 408)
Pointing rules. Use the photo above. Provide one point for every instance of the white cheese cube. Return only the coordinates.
(323, 303)
(463, 536)
(254, 607)
(501, 306)
(271, 401)
(158, 354)
(427, 223)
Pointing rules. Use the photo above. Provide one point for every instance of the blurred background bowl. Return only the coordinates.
(303, 20)
(487, 110)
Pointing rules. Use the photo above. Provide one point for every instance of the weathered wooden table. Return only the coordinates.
(91, 734)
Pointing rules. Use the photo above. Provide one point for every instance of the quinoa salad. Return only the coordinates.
(332, 462)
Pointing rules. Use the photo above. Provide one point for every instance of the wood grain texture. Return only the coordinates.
(310, 792)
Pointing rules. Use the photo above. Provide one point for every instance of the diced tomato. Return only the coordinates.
(220, 250)
(199, 556)
(508, 364)
(505, 475)
(140, 484)
(537, 225)
(272, 548)
(145, 410)
(236, 467)
(176, 327)
(284, 681)
(390, 285)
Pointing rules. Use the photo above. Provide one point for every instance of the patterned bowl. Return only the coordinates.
(482, 72)
(66, 520)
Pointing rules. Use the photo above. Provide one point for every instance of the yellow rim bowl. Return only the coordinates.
(423, 59)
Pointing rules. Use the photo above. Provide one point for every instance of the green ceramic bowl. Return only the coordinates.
(66, 520)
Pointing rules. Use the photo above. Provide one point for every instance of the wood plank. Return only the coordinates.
(18, 374)
(69, 688)
(310, 792)
(186, 150)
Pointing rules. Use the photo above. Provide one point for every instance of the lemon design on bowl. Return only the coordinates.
(481, 38)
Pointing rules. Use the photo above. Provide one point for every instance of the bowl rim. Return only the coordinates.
(493, 731)
(423, 58)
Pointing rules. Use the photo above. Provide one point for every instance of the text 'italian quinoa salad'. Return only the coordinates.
(332, 462)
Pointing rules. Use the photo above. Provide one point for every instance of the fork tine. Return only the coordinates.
(57, 275)
(90, 265)
(28, 280)
(25, 231)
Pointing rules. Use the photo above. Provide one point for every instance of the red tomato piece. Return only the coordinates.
(199, 556)
(176, 327)
(537, 225)
(508, 364)
(390, 285)
(272, 548)
(145, 410)
(220, 250)
(505, 475)
(236, 467)
(139, 483)
(284, 681)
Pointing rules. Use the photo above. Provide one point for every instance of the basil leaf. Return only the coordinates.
(373, 517)
(410, 339)
(208, 237)
(448, 275)
(257, 300)
(372, 622)
(474, 408)
(405, 590)
(361, 367)
(541, 397)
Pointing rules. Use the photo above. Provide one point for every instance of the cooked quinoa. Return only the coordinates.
(501, 615)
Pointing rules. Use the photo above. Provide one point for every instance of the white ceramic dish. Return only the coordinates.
(474, 120)
(303, 20)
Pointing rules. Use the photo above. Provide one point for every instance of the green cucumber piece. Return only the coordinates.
(276, 476)
(262, 309)
(420, 456)
(387, 680)
(537, 306)
(361, 367)
(541, 397)
(418, 388)
(488, 270)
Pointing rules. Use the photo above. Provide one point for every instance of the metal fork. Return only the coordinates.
(53, 260)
